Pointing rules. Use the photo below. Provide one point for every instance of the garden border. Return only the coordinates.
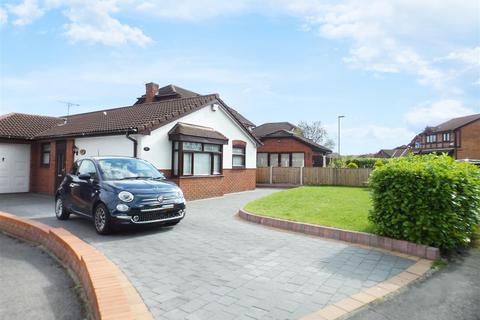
(109, 293)
(363, 238)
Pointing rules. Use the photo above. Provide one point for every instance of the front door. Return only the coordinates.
(61, 162)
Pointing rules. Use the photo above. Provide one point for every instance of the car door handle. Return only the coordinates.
(73, 185)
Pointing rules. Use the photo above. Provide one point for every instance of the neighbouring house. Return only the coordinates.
(397, 152)
(458, 137)
(283, 146)
(199, 142)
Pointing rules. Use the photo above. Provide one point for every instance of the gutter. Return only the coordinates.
(135, 142)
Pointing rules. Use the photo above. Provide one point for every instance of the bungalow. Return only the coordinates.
(458, 137)
(400, 151)
(282, 146)
(196, 140)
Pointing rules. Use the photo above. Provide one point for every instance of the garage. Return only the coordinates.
(14, 167)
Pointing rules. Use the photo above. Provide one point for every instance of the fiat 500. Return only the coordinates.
(119, 191)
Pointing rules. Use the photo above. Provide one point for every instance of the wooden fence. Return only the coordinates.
(313, 176)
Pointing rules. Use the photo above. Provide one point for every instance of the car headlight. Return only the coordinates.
(125, 196)
(180, 194)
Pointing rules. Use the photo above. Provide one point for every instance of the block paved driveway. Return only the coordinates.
(216, 266)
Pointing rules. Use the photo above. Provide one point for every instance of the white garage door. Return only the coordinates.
(14, 167)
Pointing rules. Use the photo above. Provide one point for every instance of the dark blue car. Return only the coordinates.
(119, 191)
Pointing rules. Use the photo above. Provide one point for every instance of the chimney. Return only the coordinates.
(151, 90)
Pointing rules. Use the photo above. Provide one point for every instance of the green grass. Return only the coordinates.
(340, 207)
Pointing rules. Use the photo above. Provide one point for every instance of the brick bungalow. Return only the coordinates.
(198, 141)
(282, 146)
(458, 137)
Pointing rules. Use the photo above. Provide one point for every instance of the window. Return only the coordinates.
(196, 159)
(45, 157)
(298, 160)
(274, 159)
(446, 136)
(262, 160)
(87, 167)
(285, 160)
(418, 145)
(431, 138)
(238, 157)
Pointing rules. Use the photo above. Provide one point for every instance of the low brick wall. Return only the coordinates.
(110, 295)
(405, 247)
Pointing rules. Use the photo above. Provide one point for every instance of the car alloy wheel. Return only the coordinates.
(59, 208)
(100, 219)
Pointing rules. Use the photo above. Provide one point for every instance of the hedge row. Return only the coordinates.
(347, 162)
(430, 199)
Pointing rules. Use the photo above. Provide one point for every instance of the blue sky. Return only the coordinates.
(391, 67)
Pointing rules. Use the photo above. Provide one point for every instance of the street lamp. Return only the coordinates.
(339, 117)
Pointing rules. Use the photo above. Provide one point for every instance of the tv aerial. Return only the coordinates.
(69, 105)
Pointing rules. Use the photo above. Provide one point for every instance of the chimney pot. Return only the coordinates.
(151, 90)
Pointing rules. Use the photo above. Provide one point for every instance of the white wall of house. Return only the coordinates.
(104, 146)
(160, 153)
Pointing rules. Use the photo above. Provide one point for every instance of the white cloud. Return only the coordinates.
(92, 22)
(3, 16)
(192, 9)
(468, 56)
(25, 12)
(437, 112)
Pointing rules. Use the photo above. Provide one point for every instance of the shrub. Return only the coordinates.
(379, 163)
(343, 162)
(352, 165)
(429, 199)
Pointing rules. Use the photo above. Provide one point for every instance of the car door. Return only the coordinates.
(69, 187)
(87, 189)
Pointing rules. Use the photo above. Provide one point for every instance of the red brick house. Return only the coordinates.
(205, 146)
(459, 137)
(282, 146)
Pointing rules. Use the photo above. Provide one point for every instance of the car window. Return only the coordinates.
(117, 169)
(87, 166)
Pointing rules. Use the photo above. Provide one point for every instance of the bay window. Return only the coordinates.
(196, 159)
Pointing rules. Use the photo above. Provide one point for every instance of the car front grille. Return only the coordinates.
(158, 215)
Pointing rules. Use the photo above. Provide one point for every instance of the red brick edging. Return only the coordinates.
(109, 293)
(368, 239)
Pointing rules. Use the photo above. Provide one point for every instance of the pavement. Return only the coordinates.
(34, 285)
(452, 293)
(215, 266)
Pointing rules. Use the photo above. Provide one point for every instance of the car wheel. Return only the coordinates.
(60, 212)
(101, 219)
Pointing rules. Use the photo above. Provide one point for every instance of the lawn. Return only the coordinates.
(340, 207)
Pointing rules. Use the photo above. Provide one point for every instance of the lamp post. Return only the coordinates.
(339, 117)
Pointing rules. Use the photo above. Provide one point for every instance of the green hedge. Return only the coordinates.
(429, 199)
(343, 162)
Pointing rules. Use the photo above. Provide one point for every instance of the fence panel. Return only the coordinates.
(286, 175)
(314, 176)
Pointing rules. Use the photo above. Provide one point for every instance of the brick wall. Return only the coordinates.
(280, 145)
(239, 180)
(469, 141)
(207, 187)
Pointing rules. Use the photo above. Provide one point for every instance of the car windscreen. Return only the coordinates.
(122, 169)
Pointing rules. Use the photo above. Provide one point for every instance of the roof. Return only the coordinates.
(290, 134)
(136, 118)
(170, 92)
(271, 127)
(455, 123)
(192, 130)
(245, 122)
(25, 126)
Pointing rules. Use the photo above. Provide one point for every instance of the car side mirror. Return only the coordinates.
(85, 176)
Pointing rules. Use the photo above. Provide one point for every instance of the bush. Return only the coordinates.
(379, 163)
(343, 162)
(352, 165)
(429, 199)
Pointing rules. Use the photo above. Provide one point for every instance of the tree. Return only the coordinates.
(316, 132)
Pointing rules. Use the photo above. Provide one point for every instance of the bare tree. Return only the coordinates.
(316, 132)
